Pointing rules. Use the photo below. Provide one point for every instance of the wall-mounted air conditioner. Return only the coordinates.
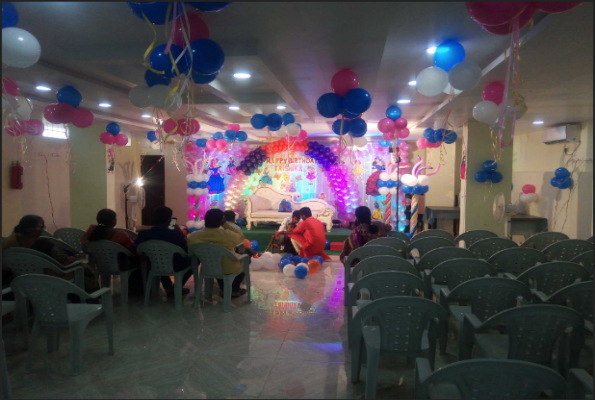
(570, 133)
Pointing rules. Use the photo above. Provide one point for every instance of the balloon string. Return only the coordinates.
(341, 135)
(173, 27)
(151, 47)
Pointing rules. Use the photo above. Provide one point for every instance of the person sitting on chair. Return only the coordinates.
(287, 226)
(309, 237)
(230, 218)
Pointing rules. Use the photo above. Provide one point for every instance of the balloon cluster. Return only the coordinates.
(434, 138)
(489, 173)
(67, 109)
(488, 110)
(282, 145)
(562, 179)
(322, 154)
(275, 122)
(20, 49)
(267, 260)
(450, 70)
(255, 159)
(388, 183)
(183, 127)
(528, 195)
(220, 140)
(415, 185)
(112, 135)
(393, 126)
(19, 111)
(299, 267)
(347, 100)
(197, 184)
(346, 194)
(498, 17)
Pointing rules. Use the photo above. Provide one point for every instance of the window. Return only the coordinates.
(56, 131)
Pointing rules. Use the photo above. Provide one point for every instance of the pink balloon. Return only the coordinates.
(63, 113)
(555, 7)
(403, 133)
(422, 143)
(234, 127)
(494, 91)
(188, 127)
(221, 143)
(405, 147)
(169, 125)
(34, 127)
(120, 139)
(106, 138)
(388, 136)
(10, 86)
(48, 113)
(434, 145)
(211, 144)
(494, 12)
(386, 125)
(401, 123)
(343, 81)
(506, 29)
(82, 118)
(15, 128)
(302, 136)
(529, 189)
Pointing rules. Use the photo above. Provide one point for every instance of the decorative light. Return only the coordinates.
(241, 75)
(105, 105)
(146, 116)
(140, 182)
(431, 50)
(43, 88)
(281, 107)
(404, 101)
(412, 83)
(234, 108)
(537, 122)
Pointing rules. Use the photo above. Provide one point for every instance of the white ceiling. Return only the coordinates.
(292, 51)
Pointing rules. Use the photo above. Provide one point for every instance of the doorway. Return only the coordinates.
(153, 172)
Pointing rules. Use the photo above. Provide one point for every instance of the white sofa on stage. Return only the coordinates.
(263, 206)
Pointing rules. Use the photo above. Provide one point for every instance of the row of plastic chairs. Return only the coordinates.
(71, 238)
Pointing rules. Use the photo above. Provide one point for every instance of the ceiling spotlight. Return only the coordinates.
(146, 115)
(281, 107)
(105, 105)
(241, 75)
(537, 122)
(404, 101)
(234, 108)
(431, 50)
(412, 83)
(43, 88)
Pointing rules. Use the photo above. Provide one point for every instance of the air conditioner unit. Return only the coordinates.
(562, 134)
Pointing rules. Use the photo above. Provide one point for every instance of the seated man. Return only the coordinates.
(230, 218)
(309, 236)
(162, 217)
(287, 226)
(218, 231)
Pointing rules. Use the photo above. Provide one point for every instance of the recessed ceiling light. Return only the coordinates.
(431, 50)
(43, 88)
(281, 107)
(234, 108)
(241, 75)
(404, 101)
(105, 105)
(146, 115)
(537, 122)
(412, 83)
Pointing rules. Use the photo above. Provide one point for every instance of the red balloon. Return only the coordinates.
(386, 125)
(106, 138)
(343, 81)
(529, 189)
(10, 86)
(494, 12)
(34, 127)
(83, 118)
(234, 127)
(388, 136)
(555, 7)
(211, 144)
(403, 133)
(15, 127)
(198, 30)
(494, 91)
(63, 113)
(169, 125)
(120, 139)
(401, 123)
(188, 127)
(48, 113)
(506, 29)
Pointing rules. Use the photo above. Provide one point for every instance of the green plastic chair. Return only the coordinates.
(433, 233)
(64, 246)
(133, 235)
(379, 285)
(71, 236)
(532, 334)
(428, 244)
(161, 255)
(48, 295)
(487, 379)
(590, 240)
(7, 307)
(111, 258)
(540, 241)
(550, 277)
(211, 259)
(516, 260)
(360, 254)
(46, 234)
(451, 273)
(403, 325)
(486, 248)
(380, 264)
(586, 260)
(471, 237)
(436, 256)
(395, 243)
(580, 384)
(399, 235)
(566, 250)
(486, 297)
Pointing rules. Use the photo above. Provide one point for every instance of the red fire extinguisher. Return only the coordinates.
(16, 176)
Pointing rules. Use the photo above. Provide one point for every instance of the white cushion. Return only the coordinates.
(254, 201)
(264, 204)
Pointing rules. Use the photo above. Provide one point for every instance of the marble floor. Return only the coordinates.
(289, 342)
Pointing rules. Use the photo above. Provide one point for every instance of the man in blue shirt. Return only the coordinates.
(162, 217)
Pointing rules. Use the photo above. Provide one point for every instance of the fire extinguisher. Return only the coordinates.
(16, 176)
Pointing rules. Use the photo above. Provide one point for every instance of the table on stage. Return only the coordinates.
(433, 213)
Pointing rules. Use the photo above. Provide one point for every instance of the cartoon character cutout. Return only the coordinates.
(265, 177)
(231, 167)
(322, 196)
(215, 183)
(359, 169)
(377, 214)
(286, 184)
(311, 176)
(379, 164)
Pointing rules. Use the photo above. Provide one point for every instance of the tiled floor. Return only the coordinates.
(290, 342)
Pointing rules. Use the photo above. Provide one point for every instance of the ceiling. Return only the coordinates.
(292, 50)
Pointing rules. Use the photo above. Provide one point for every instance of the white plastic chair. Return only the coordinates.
(49, 298)
(109, 259)
(71, 236)
(211, 259)
(161, 254)
(7, 307)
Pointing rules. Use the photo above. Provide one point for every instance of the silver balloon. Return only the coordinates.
(486, 112)
(432, 81)
(157, 95)
(521, 110)
(139, 96)
(20, 49)
(464, 75)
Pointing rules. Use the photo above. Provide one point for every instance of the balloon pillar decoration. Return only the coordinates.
(112, 136)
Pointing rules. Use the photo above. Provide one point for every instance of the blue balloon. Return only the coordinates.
(301, 272)
(288, 119)
(230, 135)
(274, 121)
(284, 262)
(201, 143)
(152, 79)
(209, 6)
(393, 112)
(337, 127)
(390, 184)
(241, 136)
(305, 260)
(152, 136)
(349, 115)
(382, 183)
(329, 105)
(217, 136)
(207, 56)
(448, 54)
(191, 230)
(319, 259)
(439, 135)
(327, 245)
(193, 185)
(384, 143)
(296, 259)
(112, 128)
(254, 245)
(203, 184)
(358, 127)
(203, 79)
(241, 222)
(162, 62)
(418, 189)
(357, 101)
(258, 121)
(482, 176)
(426, 189)
(566, 183)
(69, 95)
(154, 11)
(490, 166)
(10, 17)
(450, 137)
(496, 177)
(407, 189)
(556, 182)
(562, 173)
(430, 135)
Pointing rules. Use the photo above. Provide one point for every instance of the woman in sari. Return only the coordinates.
(364, 230)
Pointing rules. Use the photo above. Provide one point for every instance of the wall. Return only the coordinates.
(568, 211)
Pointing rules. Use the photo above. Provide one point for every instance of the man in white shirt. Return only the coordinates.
(288, 225)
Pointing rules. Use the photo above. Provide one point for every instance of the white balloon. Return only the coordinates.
(155, 146)
(268, 254)
(394, 177)
(281, 133)
(174, 102)
(145, 143)
(189, 191)
(289, 270)
(139, 96)
(293, 129)
(190, 178)
(256, 264)
(277, 258)
(432, 81)
(269, 263)
(20, 49)
(528, 198)
(423, 180)
(486, 112)
(196, 178)
(383, 190)
(464, 75)
(384, 176)
(197, 192)
(190, 224)
(360, 142)
(393, 191)
(204, 177)
(521, 110)
(409, 180)
(24, 109)
(157, 95)
(449, 90)
(199, 224)
(303, 265)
